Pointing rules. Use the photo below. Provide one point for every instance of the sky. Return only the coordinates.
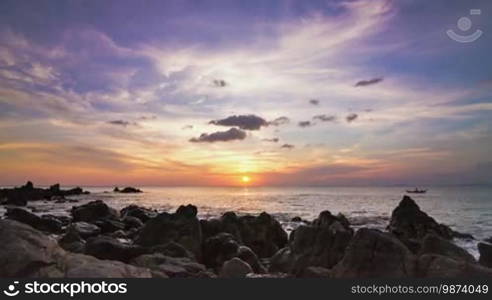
(204, 93)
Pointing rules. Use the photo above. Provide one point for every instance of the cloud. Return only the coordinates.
(369, 82)
(187, 127)
(287, 146)
(305, 124)
(325, 118)
(246, 122)
(219, 83)
(220, 136)
(314, 102)
(122, 123)
(279, 121)
(351, 117)
(273, 140)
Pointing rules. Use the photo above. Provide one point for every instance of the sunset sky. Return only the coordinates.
(207, 92)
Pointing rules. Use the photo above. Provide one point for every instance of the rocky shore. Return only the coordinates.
(99, 241)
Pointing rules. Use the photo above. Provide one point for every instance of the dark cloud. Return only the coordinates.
(369, 82)
(187, 127)
(245, 122)
(279, 121)
(305, 124)
(220, 136)
(314, 102)
(273, 140)
(287, 146)
(122, 123)
(325, 118)
(219, 83)
(351, 117)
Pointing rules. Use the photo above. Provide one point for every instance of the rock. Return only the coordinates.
(409, 222)
(19, 196)
(296, 219)
(105, 247)
(248, 256)
(372, 254)
(93, 211)
(235, 268)
(141, 213)
(438, 266)
(171, 266)
(84, 229)
(132, 222)
(109, 225)
(181, 227)
(127, 190)
(489, 240)
(172, 249)
(72, 242)
(218, 249)
(27, 253)
(315, 272)
(433, 244)
(45, 223)
(320, 244)
(485, 254)
(116, 189)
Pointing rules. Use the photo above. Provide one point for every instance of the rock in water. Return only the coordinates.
(93, 211)
(235, 268)
(26, 252)
(433, 244)
(181, 227)
(372, 254)
(485, 254)
(128, 190)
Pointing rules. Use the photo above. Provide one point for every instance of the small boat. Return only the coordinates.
(417, 191)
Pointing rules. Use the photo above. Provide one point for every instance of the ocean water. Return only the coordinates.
(465, 209)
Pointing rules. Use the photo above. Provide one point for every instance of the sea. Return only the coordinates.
(467, 209)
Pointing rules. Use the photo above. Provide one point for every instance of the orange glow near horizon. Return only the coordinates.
(245, 179)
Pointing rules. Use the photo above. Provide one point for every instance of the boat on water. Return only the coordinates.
(417, 191)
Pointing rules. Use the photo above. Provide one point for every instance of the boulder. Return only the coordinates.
(132, 222)
(181, 227)
(433, 244)
(72, 241)
(172, 249)
(170, 266)
(19, 196)
(438, 266)
(320, 244)
(26, 253)
(372, 254)
(218, 249)
(128, 190)
(485, 254)
(315, 272)
(235, 268)
(142, 213)
(109, 225)
(105, 247)
(248, 256)
(84, 230)
(93, 211)
(45, 223)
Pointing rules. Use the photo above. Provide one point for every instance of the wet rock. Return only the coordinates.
(132, 222)
(218, 249)
(93, 211)
(127, 190)
(85, 230)
(181, 227)
(105, 247)
(19, 196)
(433, 244)
(235, 268)
(485, 254)
(171, 266)
(26, 253)
(438, 266)
(372, 254)
(142, 213)
(109, 225)
(44, 223)
(72, 241)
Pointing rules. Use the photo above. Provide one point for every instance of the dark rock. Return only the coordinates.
(27, 253)
(247, 255)
(93, 211)
(296, 219)
(171, 266)
(109, 225)
(235, 268)
(84, 229)
(44, 223)
(132, 222)
(433, 244)
(320, 244)
(141, 213)
(19, 196)
(372, 254)
(485, 254)
(105, 247)
(218, 249)
(489, 240)
(72, 241)
(438, 266)
(315, 272)
(128, 190)
(173, 249)
(181, 227)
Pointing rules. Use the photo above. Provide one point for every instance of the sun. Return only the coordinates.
(245, 179)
